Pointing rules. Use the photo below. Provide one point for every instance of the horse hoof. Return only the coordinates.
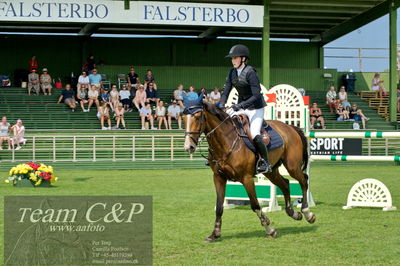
(210, 239)
(311, 219)
(272, 233)
(297, 216)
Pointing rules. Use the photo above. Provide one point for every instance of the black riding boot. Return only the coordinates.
(263, 165)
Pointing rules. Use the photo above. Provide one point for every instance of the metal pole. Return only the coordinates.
(265, 46)
(393, 60)
(33, 148)
(54, 149)
(113, 148)
(360, 59)
(74, 149)
(133, 148)
(172, 148)
(94, 148)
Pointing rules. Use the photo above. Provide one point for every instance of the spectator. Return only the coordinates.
(145, 114)
(174, 113)
(95, 79)
(68, 96)
(316, 116)
(178, 95)
(343, 98)
(149, 78)
(46, 81)
(33, 82)
(331, 99)
(83, 81)
(82, 97)
(104, 114)
(133, 81)
(215, 96)
(377, 85)
(160, 115)
(151, 94)
(140, 98)
(192, 95)
(93, 97)
(114, 97)
(119, 116)
(341, 113)
(4, 130)
(89, 65)
(357, 115)
(105, 97)
(398, 100)
(19, 133)
(124, 94)
(33, 63)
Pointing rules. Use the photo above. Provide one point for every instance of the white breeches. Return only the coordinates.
(256, 118)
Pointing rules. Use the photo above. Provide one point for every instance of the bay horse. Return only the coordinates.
(231, 159)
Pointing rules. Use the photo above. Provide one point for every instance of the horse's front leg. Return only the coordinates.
(248, 183)
(220, 185)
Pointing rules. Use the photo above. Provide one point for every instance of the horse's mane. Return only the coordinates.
(214, 110)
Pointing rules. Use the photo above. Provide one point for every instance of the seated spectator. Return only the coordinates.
(4, 133)
(133, 81)
(19, 133)
(33, 82)
(145, 114)
(45, 82)
(151, 94)
(104, 114)
(149, 78)
(124, 94)
(215, 96)
(343, 98)
(178, 95)
(160, 115)
(174, 112)
(93, 95)
(82, 97)
(192, 95)
(140, 98)
(357, 115)
(114, 97)
(119, 116)
(105, 97)
(68, 95)
(331, 99)
(95, 79)
(341, 113)
(377, 85)
(398, 100)
(83, 81)
(89, 65)
(316, 116)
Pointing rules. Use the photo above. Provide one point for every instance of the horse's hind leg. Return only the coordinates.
(248, 183)
(220, 185)
(283, 184)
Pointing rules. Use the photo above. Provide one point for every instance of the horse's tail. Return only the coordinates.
(305, 146)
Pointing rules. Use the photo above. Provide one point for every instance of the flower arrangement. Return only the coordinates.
(37, 174)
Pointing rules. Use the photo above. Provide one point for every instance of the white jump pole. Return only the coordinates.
(355, 158)
(352, 134)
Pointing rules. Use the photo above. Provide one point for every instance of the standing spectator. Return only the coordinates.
(114, 97)
(140, 98)
(124, 94)
(343, 98)
(68, 96)
(89, 65)
(46, 81)
(357, 115)
(93, 97)
(105, 97)
(377, 85)
(215, 96)
(82, 97)
(33, 82)
(95, 79)
(83, 81)
(341, 113)
(19, 133)
(133, 81)
(104, 114)
(178, 95)
(119, 116)
(331, 99)
(151, 94)
(174, 113)
(145, 114)
(149, 78)
(192, 95)
(4, 133)
(316, 116)
(160, 115)
(33, 63)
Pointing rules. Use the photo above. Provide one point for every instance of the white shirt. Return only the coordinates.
(215, 96)
(125, 94)
(145, 111)
(239, 70)
(84, 80)
(160, 111)
(174, 110)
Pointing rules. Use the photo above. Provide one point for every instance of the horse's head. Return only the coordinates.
(194, 121)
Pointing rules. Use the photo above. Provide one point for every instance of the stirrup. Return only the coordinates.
(263, 166)
(206, 163)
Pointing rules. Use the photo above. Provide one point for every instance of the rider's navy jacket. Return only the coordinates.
(248, 87)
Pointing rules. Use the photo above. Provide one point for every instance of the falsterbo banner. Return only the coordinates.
(140, 12)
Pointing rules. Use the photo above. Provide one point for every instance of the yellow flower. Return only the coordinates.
(38, 182)
(32, 177)
(7, 181)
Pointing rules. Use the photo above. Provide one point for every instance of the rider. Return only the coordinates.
(251, 102)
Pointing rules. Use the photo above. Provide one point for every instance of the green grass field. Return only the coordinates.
(184, 215)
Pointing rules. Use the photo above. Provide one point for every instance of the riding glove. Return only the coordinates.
(236, 107)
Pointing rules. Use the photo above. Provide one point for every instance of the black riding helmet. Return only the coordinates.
(239, 50)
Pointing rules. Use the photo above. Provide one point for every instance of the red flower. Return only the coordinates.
(34, 166)
(47, 177)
